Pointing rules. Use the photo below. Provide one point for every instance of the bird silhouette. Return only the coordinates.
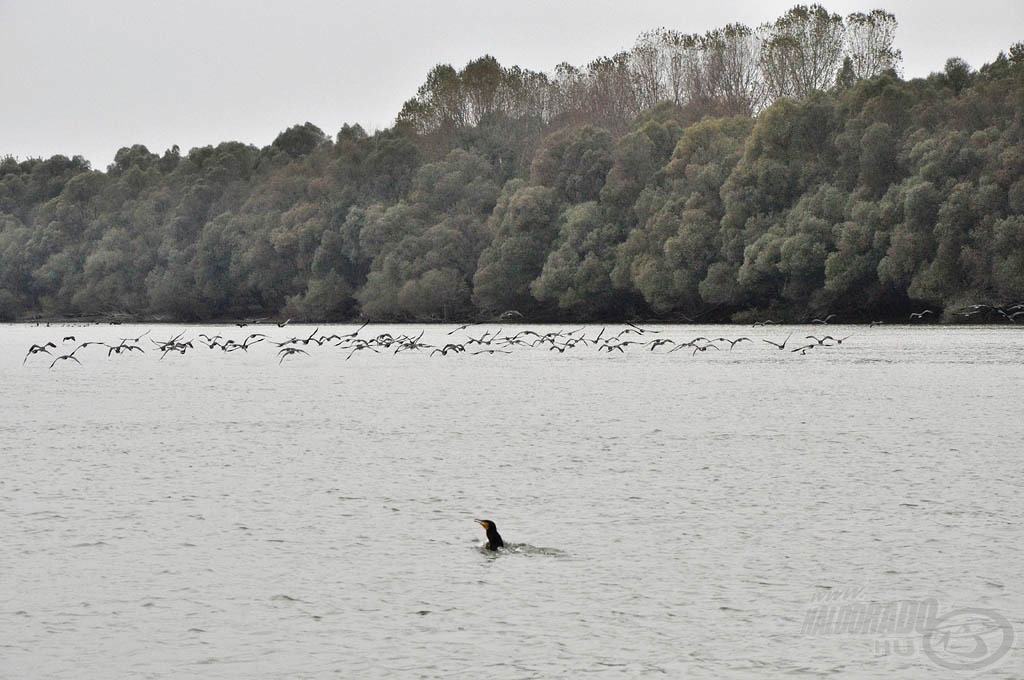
(450, 347)
(64, 357)
(658, 342)
(494, 540)
(123, 347)
(135, 340)
(289, 351)
(36, 349)
(732, 343)
(361, 344)
(783, 345)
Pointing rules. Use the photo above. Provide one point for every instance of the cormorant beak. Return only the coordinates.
(482, 522)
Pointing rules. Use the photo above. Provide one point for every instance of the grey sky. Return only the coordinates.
(89, 77)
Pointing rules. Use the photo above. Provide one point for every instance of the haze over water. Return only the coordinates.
(224, 515)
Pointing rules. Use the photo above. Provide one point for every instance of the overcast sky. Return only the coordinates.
(90, 76)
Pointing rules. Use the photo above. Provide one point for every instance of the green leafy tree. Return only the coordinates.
(577, 272)
(424, 252)
(677, 238)
(957, 74)
(300, 140)
(523, 227)
(574, 162)
(1008, 264)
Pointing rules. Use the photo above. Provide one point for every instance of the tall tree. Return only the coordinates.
(802, 51)
(869, 43)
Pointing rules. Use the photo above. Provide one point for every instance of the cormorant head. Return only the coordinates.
(493, 537)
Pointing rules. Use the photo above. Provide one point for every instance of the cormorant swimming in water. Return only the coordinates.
(493, 537)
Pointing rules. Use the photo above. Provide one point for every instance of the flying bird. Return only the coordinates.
(65, 356)
(135, 340)
(36, 349)
(123, 347)
(732, 343)
(289, 351)
(450, 347)
(783, 345)
(702, 348)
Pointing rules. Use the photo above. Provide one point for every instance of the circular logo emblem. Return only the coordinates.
(968, 639)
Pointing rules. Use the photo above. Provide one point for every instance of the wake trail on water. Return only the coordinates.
(521, 549)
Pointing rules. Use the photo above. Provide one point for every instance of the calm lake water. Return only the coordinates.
(233, 515)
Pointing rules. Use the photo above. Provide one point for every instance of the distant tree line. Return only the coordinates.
(785, 170)
(735, 70)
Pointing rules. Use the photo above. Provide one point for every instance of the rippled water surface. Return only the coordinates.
(227, 515)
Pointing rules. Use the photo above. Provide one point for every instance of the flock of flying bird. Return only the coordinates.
(1009, 313)
(487, 342)
(631, 337)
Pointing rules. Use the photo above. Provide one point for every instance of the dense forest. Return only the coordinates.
(785, 170)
